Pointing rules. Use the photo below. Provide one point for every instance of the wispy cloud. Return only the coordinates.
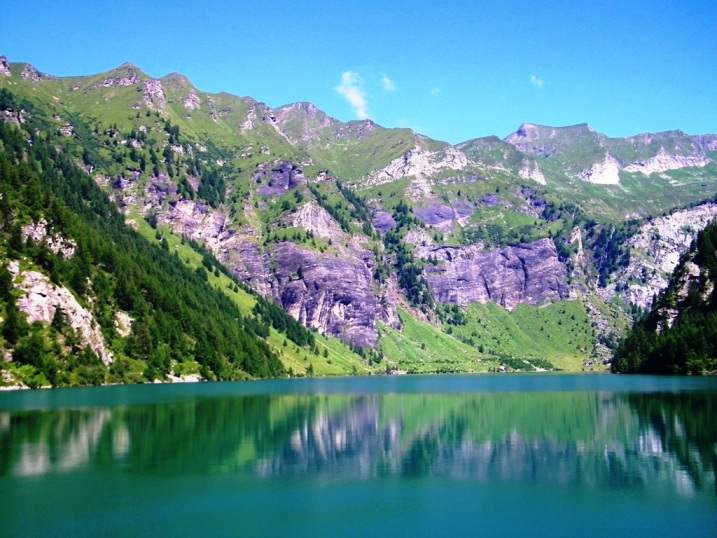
(435, 91)
(387, 84)
(351, 88)
(536, 81)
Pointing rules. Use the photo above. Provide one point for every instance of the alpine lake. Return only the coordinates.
(471, 455)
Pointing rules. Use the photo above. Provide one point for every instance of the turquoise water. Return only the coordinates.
(498, 455)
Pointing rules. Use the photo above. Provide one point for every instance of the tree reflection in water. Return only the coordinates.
(615, 439)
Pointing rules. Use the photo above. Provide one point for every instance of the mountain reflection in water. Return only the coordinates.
(595, 439)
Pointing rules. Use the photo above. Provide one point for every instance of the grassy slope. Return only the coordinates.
(422, 347)
(559, 332)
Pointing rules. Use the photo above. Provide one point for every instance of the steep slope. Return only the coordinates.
(679, 335)
(96, 294)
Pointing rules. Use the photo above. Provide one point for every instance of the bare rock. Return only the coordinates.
(66, 130)
(533, 173)
(279, 179)
(663, 162)
(334, 295)
(153, 94)
(38, 232)
(4, 66)
(529, 273)
(383, 221)
(39, 300)
(250, 121)
(197, 220)
(655, 252)
(443, 216)
(127, 75)
(419, 163)
(314, 218)
(30, 73)
(192, 101)
(605, 172)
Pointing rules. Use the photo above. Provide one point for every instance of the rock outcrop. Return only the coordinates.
(333, 294)
(192, 101)
(605, 172)
(655, 252)
(419, 163)
(279, 179)
(533, 173)
(663, 162)
(4, 66)
(41, 298)
(153, 94)
(443, 216)
(529, 273)
(331, 291)
(38, 232)
(125, 75)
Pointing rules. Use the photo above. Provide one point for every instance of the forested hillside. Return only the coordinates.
(679, 335)
(176, 317)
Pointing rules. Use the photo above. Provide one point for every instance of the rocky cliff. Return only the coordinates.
(530, 273)
(655, 252)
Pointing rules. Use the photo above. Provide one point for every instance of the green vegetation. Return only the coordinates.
(560, 332)
(421, 348)
(176, 315)
(155, 151)
(679, 336)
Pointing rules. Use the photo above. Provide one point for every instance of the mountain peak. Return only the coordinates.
(177, 80)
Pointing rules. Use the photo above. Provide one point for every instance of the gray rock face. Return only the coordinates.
(332, 294)
(250, 264)
(442, 216)
(528, 273)
(4, 66)
(280, 179)
(126, 75)
(383, 221)
(153, 94)
(40, 298)
(655, 252)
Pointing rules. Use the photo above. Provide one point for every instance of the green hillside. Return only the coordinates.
(293, 204)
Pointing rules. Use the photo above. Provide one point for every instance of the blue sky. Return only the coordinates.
(452, 70)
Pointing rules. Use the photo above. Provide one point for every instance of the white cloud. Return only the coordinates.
(435, 91)
(351, 88)
(535, 81)
(387, 84)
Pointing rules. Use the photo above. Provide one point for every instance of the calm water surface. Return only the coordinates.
(536, 455)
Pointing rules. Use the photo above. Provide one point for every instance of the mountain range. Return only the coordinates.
(398, 252)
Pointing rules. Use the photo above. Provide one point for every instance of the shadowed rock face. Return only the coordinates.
(528, 273)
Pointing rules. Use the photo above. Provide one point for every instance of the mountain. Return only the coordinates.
(679, 335)
(421, 256)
